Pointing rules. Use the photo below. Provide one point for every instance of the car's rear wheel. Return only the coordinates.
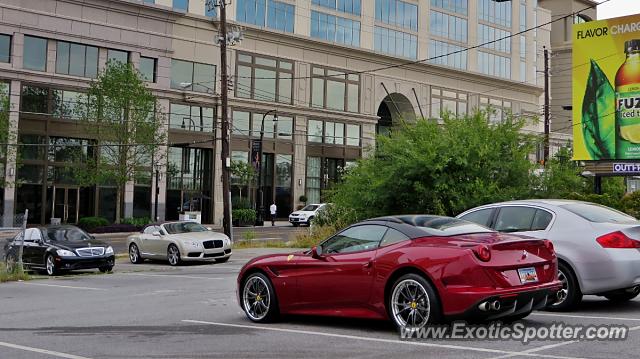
(173, 255)
(134, 254)
(413, 302)
(50, 266)
(623, 295)
(570, 288)
(259, 300)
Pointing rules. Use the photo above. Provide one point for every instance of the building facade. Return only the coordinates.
(337, 71)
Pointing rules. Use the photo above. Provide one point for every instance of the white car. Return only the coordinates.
(306, 214)
(178, 242)
(598, 247)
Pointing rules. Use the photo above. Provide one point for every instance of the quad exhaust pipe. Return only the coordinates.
(489, 305)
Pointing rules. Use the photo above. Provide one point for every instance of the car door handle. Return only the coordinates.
(367, 265)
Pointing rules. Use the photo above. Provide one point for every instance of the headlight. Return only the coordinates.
(65, 253)
(109, 250)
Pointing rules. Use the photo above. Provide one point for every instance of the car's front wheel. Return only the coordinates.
(413, 302)
(259, 300)
(134, 254)
(571, 294)
(173, 255)
(50, 266)
(105, 269)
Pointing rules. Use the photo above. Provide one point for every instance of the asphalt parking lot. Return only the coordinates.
(156, 311)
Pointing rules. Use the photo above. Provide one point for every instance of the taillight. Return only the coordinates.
(549, 246)
(617, 240)
(483, 253)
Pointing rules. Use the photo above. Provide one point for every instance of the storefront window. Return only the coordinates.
(283, 184)
(313, 179)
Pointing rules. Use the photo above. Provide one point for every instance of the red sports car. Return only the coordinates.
(414, 269)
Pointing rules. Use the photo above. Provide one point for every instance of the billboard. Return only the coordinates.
(606, 89)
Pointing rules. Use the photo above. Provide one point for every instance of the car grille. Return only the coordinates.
(211, 255)
(227, 251)
(213, 244)
(90, 252)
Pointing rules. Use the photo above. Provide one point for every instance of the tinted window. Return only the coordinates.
(117, 55)
(359, 238)
(482, 216)
(311, 207)
(148, 68)
(443, 226)
(392, 236)
(515, 219)
(541, 220)
(184, 227)
(5, 48)
(35, 53)
(597, 213)
(72, 234)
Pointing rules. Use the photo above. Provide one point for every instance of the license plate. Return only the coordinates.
(527, 275)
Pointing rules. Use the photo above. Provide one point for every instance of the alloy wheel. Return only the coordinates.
(565, 287)
(410, 304)
(51, 266)
(256, 298)
(133, 253)
(173, 255)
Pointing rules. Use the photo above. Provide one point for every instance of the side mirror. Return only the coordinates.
(155, 233)
(316, 252)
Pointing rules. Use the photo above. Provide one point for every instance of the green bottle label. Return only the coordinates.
(628, 122)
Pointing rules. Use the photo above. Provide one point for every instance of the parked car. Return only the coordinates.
(597, 246)
(182, 241)
(60, 248)
(414, 270)
(306, 214)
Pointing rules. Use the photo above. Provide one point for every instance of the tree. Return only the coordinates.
(122, 116)
(243, 174)
(561, 177)
(426, 167)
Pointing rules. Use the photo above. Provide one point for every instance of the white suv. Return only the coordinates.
(306, 214)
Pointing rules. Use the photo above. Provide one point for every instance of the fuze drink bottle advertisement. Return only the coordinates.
(606, 89)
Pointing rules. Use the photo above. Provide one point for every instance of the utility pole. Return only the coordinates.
(547, 119)
(224, 104)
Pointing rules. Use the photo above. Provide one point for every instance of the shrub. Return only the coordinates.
(245, 215)
(630, 204)
(136, 221)
(313, 237)
(90, 223)
(303, 199)
(240, 203)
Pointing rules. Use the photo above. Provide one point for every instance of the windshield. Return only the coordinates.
(184, 227)
(310, 207)
(597, 213)
(68, 234)
(444, 226)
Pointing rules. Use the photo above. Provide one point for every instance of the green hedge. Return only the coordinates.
(244, 215)
(89, 223)
(136, 221)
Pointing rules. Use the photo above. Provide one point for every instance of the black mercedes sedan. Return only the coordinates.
(60, 248)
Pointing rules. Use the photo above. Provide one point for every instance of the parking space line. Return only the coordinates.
(62, 286)
(537, 349)
(172, 276)
(584, 316)
(381, 340)
(42, 351)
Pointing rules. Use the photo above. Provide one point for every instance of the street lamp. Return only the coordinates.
(259, 216)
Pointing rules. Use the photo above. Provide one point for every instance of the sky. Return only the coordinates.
(616, 8)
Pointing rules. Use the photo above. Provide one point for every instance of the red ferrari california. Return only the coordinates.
(414, 269)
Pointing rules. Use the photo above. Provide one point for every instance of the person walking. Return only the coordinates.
(273, 209)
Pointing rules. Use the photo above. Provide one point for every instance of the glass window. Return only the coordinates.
(186, 75)
(285, 127)
(354, 239)
(37, 99)
(395, 43)
(347, 6)
(35, 53)
(494, 65)
(541, 220)
(392, 236)
(459, 6)
(5, 48)
(191, 118)
(495, 12)
(251, 11)
(283, 183)
(448, 101)
(335, 29)
(273, 78)
(241, 123)
(313, 181)
(181, 5)
(118, 55)
(398, 13)
(315, 131)
(342, 91)
(353, 135)
(184, 227)
(280, 16)
(597, 213)
(76, 59)
(446, 54)
(148, 68)
(210, 9)
(335, 95)
(514, 219)
(482, 216)
(494, 38)
(448, 26)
